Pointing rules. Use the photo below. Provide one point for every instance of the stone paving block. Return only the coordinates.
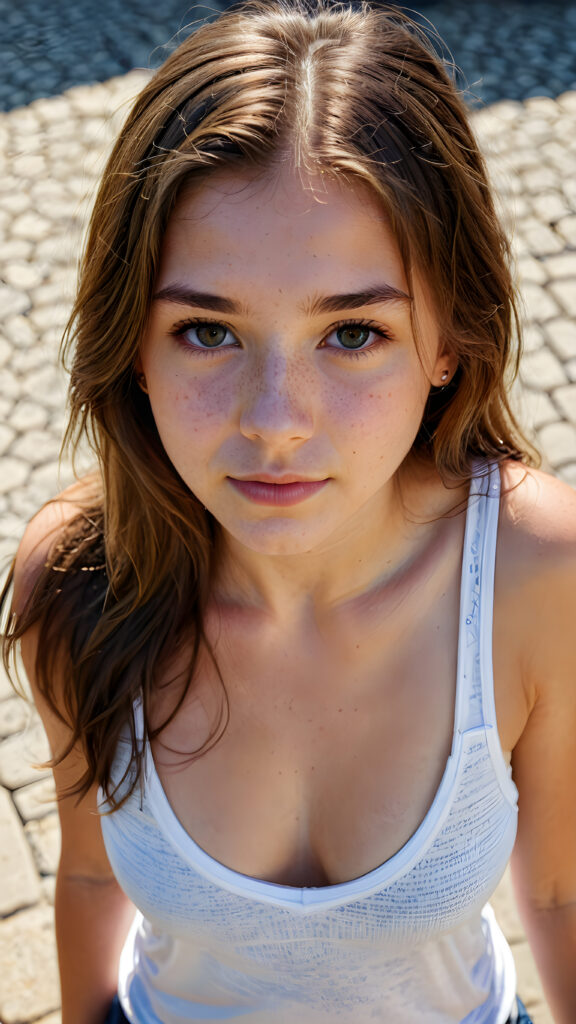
(532, 338)
(30, 987)
(563, 265)
(6, 688)
(13, 301)
(18, 331)
(46, 385)
(13, 474)
(539, 238)
(43, 835)
(48, 887)
(31, 227)
(14, 716)
(19, 753)
(530, 269)
(539, 179)
(29, 415)
(35, 448)
(22, 275)
(566, 228)
(551, 206)
(558, 441)
(36, 800)
(535, 409)
(29, 165)
(565, 294)
(555, 153)
(5, 351)
(541, 370)
(12, 200)
(570, 369)
(19, 881)
(52, 478)
(565, 400)
(567, 101)
(11, 387)
(538, 303)
(7, 436)
(11, 521)
(560, 333)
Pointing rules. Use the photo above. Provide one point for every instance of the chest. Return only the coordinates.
(334, 748)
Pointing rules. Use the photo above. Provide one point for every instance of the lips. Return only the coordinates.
(284, 490)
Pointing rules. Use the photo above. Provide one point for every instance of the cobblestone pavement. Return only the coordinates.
(50, 157)
(520, 49)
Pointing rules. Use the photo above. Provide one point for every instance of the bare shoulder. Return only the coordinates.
(536, 568)
(538, 514)
(44, 531)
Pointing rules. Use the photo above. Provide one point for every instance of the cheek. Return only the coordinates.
(191, 406)
(390, 406)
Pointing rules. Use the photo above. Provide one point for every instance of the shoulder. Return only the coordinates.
(537, 520)
(536, 568)
(46, 531)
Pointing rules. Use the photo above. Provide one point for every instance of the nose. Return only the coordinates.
(276, 401)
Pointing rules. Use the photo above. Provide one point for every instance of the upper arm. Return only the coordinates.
(544, 758)
(83, 852)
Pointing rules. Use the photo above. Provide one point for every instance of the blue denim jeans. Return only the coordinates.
(523, 1017)
(115, 1015)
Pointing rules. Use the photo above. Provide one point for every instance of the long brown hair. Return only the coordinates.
(356, 91)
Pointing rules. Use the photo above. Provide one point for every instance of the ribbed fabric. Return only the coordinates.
(413, 940)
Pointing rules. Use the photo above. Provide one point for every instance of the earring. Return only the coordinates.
(445, 381)
(141, 382)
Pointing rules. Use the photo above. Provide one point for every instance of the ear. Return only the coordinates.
(139, 375)
(444, 368)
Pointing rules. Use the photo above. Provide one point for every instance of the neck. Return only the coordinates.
(374, 552)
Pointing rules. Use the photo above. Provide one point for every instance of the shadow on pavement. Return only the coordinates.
(512, 49)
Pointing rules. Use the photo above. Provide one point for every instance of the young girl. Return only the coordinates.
(304, 643)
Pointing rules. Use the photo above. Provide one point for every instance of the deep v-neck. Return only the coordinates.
(477, 576)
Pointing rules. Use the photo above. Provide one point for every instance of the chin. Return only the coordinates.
(277, 537)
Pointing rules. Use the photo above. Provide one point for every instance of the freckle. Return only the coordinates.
(339, 710)
(296, 772)
(355, 709)
(279, 773)
(312, 767)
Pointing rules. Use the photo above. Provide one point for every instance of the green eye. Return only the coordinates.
(210, 335)
(353, 336)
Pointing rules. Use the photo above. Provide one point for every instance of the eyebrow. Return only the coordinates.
(372, 296)
(182, 295)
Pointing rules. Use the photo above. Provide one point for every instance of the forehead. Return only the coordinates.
(281, 224)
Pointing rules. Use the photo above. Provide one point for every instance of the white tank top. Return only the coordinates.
(412, 940)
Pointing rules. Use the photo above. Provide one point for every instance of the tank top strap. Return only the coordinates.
(475, 681)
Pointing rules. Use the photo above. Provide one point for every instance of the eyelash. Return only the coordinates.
(383, 336)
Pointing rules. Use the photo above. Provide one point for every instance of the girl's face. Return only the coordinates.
(280, 361)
